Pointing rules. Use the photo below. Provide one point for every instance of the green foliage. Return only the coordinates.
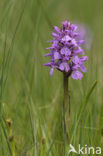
(33, 100)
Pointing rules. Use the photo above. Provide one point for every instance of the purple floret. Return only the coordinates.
(65, 51)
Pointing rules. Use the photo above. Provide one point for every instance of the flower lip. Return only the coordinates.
(57, 56)
(64, 67)
(65, 51)
(77, 75)
(66, 38)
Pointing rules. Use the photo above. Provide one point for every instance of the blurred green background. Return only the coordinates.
(29, 98)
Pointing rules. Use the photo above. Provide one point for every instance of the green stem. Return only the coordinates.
(66, 106)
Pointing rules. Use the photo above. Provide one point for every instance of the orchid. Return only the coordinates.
(67, 55)
(66, 51)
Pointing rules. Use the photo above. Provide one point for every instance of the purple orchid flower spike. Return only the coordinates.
(66, 50)
(68, 57)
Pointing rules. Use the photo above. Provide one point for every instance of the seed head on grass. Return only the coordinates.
(66, 51)
(9, 122)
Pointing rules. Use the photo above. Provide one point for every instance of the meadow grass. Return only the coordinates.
(29, 98)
